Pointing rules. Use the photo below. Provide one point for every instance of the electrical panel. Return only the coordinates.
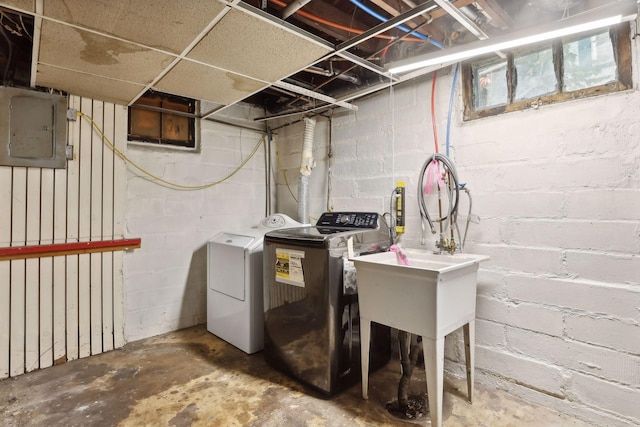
(33, 128)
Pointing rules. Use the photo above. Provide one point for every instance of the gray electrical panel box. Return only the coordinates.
(33, 128)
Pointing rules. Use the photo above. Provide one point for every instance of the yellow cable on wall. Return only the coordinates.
(157, 178)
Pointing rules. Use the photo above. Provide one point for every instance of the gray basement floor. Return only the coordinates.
(192, 378)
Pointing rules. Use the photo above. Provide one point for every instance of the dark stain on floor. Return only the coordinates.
(192, 378)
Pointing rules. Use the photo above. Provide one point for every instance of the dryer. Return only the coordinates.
(312, 328)
(235, 303)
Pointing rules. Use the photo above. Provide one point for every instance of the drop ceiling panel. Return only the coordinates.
(248, 45)
(72, 48)
(87, 85)
(199, 81)
(26, 5)
(163, 24)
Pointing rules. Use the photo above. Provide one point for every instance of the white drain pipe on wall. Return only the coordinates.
(307, 164)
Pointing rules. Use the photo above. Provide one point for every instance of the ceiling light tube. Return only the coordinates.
(601, 17)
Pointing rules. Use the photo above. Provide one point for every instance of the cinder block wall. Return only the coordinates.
(559, 303)
(165, 280)
(558, 193)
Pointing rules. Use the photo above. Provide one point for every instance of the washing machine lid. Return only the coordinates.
(308, 234)
(333, 226)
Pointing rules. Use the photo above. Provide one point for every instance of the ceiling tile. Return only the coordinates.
(202, 82)
(72, 48)
(87, 85)
(26, 5)
(245, 44)
(163, 24)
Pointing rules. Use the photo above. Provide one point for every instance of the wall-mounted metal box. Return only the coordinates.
(33, 128)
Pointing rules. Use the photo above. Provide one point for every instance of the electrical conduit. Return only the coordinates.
(307, 163)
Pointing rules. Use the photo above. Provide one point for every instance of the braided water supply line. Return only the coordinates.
(453, 192)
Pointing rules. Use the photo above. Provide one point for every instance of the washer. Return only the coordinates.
(235, 303)
(312, 328)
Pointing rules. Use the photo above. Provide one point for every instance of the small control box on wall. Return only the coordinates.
(33, 128)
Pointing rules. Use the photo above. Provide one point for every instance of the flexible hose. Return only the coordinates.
(155, 178)
(392, 228)
(466, 228)
(303, 199)
(409, 353)
(453, 195)
(306, 166)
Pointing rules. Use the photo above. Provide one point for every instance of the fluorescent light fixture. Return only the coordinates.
(601, 17)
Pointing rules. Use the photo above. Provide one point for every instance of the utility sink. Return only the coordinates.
(433, 296)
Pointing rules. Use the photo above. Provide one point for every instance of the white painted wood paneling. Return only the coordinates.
(107, 228)
(59, 267)
(73, 194)
(46, 269)
(5, 269)
(54, 309)
(96, 284)
(119, 201)
(84, 231)
(18, 279)
(32, 294)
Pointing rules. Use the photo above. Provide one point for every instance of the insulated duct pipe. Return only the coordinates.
(307, 163)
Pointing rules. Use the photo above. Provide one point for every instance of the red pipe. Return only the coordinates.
(41, 251)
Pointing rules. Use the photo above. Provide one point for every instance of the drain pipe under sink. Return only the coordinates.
(307, 164)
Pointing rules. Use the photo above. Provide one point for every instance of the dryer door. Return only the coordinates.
(226, 264)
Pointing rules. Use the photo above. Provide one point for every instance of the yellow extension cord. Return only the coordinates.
(157, 178)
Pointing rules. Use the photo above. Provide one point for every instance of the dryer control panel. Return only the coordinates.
(349, 220)
(278, 221)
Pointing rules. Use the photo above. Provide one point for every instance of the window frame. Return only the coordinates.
(621, 40)
(190, 144)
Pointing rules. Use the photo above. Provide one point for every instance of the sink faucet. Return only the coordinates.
(446, 245)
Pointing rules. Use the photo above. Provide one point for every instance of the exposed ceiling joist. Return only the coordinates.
(223, 52)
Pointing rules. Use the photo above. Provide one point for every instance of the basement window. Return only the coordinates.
(162, 119)
(561, 70)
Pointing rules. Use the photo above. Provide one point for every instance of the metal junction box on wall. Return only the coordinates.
(33, 128)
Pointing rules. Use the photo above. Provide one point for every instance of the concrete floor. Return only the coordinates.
(192, 378)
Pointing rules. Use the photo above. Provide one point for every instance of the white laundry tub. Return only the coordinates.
(432, 297)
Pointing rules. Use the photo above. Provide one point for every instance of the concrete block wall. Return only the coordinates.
(563, 235)
(165, 280)
(558, 193)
